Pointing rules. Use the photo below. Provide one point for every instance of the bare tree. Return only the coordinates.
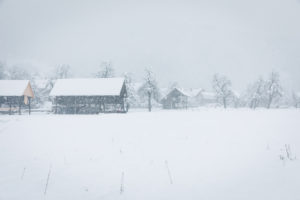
(18, 73)
(149, 88)
(42, 88)
(131, 93)
(273, 88)
(106, 70)
(296, 99)
(62, 71)
(256, 93)
(222, 87)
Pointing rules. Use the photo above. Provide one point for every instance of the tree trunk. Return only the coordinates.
(254, 104)
(269, 102)
(149, 102)
(224, 103)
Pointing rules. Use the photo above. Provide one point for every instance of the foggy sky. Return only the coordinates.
(185, 41)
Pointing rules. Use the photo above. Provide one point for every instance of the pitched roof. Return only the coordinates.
(181, 90)
(187, 92)
(88, 87)
(15, 88)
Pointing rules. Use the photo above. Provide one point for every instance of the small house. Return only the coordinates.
(89, 96)
(175, 99)
(15, 94)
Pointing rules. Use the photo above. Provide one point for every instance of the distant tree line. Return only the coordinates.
(261, 93)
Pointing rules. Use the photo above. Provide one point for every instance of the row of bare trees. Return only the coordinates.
(262, 93)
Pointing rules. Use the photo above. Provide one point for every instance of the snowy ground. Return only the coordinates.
(204, 154)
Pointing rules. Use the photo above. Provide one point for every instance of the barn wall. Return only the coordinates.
(88, 104)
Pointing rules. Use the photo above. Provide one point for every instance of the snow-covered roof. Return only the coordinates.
(187, 92)
(183, 91)
(88, 87)
(15, 88)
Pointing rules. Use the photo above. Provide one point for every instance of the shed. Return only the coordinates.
(92, 96)
(14, 94)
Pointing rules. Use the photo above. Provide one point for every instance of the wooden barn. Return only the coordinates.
(89, 96)
(175, 99)
(15, 94)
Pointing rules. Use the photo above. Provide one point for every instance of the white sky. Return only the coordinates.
(185, 41)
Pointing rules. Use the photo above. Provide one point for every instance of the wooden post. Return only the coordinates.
(20, 101)
(29, 105)
(149, 101)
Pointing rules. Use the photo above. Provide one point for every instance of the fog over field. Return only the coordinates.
(184, 41)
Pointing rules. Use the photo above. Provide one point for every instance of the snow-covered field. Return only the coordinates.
(200, 154)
